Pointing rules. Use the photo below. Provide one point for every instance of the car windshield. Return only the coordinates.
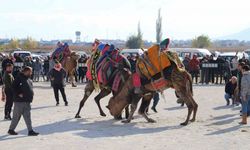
(23, 55)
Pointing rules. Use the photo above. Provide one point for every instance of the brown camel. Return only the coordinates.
(178, 79)
(70, 65)
(122, 69)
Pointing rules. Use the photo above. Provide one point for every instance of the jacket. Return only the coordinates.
(229, 88)
(245, 85)
(22, 85)
(7, 80)
(57, 77)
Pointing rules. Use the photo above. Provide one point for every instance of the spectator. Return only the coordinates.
(7, 81)
(156, 99)
(245, 93)
(57, 76)
(6, 61)
(239, 76)
(23, 95)
(46, 68)
(37, 70)
(230, 89)
(186, 62)
(204, 71)
(18, 64)
(234, 65)
(81, 63)
(211, 70)
(194, 66)
(220, 70)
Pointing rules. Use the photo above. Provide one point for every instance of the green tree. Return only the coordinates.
(135, 41)
(159, 27)
(29, 43)
(201, 41)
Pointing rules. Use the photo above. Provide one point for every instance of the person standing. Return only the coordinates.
(245, 93)
(46, 67)
(7, 81)
(156, 99)
(57, 76)
(23, 96)
(194, 66)
(37, 70)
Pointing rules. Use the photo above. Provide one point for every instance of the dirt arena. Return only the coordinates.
(216, 126)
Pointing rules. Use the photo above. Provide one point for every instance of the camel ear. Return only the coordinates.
(108, 107)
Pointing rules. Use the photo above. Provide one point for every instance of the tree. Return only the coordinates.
(29, 43)
(159, 27)
(135, 41)
(14, 44)
(201, 41)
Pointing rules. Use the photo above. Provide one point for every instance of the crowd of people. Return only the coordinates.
(220, 71)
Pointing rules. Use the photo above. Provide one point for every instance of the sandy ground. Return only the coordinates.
(216, 126)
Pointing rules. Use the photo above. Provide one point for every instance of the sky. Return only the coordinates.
(118, 19)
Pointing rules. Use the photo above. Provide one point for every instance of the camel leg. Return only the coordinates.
(88, 90)
(133, 107)
(144, 107)
(72, 80)
(195, 105)
(190, 109)
(103, 93)
(127, 112)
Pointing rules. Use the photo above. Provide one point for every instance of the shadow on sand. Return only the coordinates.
(175, 108)
(97, 129)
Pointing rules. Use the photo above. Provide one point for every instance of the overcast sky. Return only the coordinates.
(117, 19)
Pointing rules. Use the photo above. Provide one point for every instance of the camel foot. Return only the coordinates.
(184, 124)
(118, 118)
(78, 116)
(103, 114)
(151, 120)
(126, 121)
(74, 85)
(192, 120)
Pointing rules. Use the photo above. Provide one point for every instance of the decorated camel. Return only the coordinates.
(68, 59)
(107, 72)
(158, 69)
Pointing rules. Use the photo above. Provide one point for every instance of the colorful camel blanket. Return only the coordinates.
(102, 66)
(61, 53)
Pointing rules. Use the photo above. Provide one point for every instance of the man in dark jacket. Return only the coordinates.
(57, 76)
(23, 95)
(7, 81)
(230, 88)
(6, 61)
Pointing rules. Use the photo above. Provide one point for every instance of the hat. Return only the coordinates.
(165, 43)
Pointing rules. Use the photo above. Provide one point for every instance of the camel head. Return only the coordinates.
(116, 106)
(74, 56)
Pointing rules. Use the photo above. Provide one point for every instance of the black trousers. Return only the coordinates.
(9, 102)
(60, 88)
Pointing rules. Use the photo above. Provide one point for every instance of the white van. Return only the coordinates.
(22, 54)
(230, 55)
(247, 51)
(200, 53)
(127, 52)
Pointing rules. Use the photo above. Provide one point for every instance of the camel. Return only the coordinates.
(121, 68)
(173, 77)
(70, 65)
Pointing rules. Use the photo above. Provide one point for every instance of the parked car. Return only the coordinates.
(127, 52)
(230, 55)
(248, 52)
(22, 54)
(200, 53)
